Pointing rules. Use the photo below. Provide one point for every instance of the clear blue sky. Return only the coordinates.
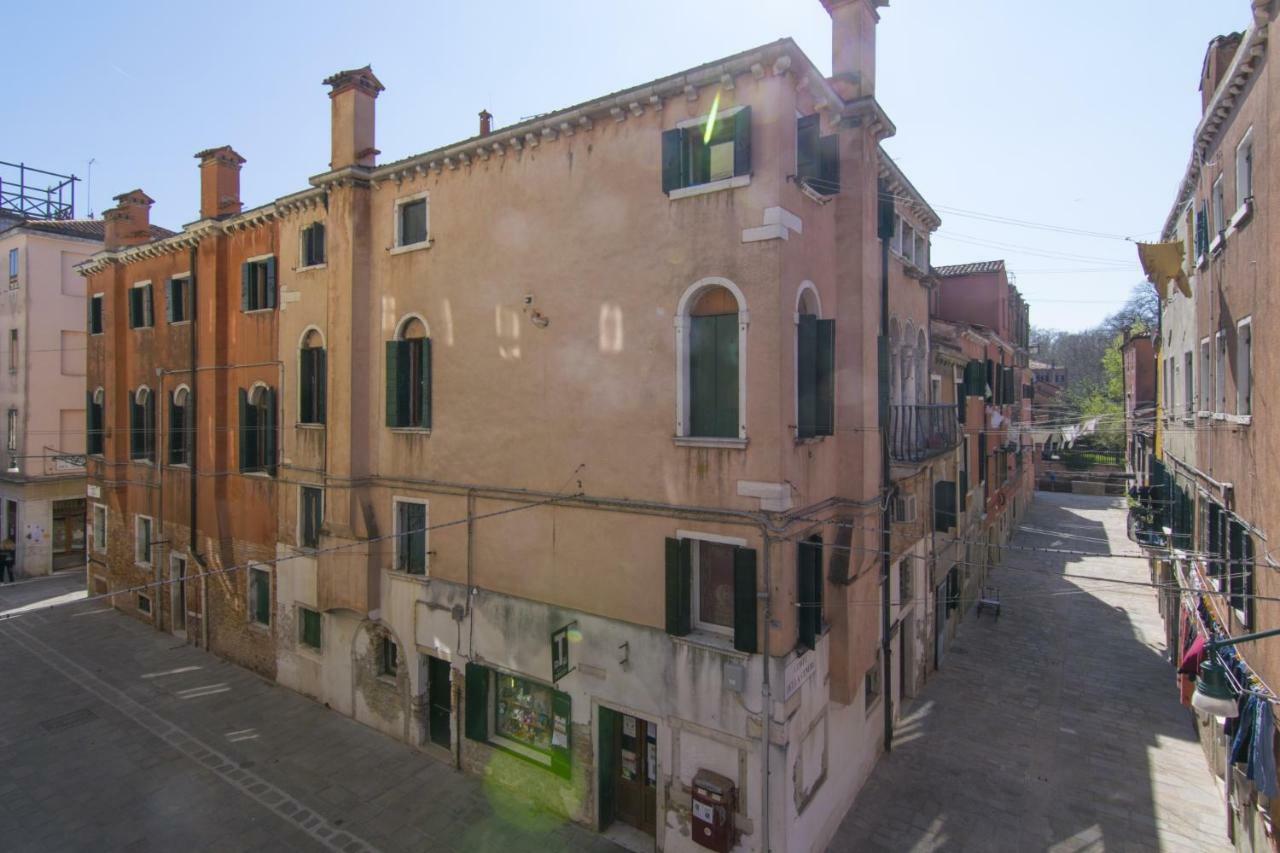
(1071, 114)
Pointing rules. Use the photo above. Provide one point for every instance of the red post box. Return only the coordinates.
(715, 799)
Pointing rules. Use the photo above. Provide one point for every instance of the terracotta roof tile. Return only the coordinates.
(969, 269)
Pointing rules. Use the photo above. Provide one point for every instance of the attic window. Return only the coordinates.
(692, 156)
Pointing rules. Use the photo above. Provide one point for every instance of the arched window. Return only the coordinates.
(409, 376)
(95, 419)
(711, 334)
(815, 367)
(311, 379)
(181, 423)
(258, 429)
(142, 425)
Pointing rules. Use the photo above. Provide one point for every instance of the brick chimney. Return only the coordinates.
(486, 122)
(351, 96)
(853, 46)
(1217, 59)
(219, 182)
(129, 222)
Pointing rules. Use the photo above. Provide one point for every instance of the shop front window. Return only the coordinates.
(523, 712)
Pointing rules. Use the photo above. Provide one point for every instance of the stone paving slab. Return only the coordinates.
(1056, 727)
(115, 737)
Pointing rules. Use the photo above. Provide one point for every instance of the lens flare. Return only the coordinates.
(711, 121)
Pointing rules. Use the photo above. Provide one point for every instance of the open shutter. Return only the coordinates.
(395, 409)
(90, 429)
(673, 173)
(148, 307)
(168, 300)
(807, 147)
(742, 141)
(477, 702)
(679, 587)
(826, 378)
(807, 375)
(244, 438)
(269, 437)
(745, 605)
(606, 741)
(426, 383)
(321, 384)
(317, 243)
(561, 720)
(244, 286)
(829, 165)
(306, 387)
(807, 577)
(271, 282)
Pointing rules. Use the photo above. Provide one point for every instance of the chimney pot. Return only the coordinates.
(352, 95)
(486, 122)
(129, 222)
(219, 182)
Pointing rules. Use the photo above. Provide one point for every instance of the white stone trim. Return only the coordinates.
(424, 195)
(773, 497)
(807, 286)
(314, 328)
(721, 115)
(764, 232)
(404, 321)
(782, 216)
(396, 500)
(682, 353)
(711, 187)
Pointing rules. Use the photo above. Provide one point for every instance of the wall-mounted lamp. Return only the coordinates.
(1213, 693)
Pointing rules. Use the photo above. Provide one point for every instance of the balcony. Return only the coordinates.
(917, 433)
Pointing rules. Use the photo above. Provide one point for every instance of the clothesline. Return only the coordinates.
(1265, 692)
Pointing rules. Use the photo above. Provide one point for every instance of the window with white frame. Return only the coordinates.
(1219, 207)
(309, 628)
(177, 301)
(707, 149)
(1206, 377)
(1244, 367)
(142, 540)
(711, 364)
(258, 284)
(712, 585)
(13, 268)
(1188, 383)
(410, 535)
(11, 438)
(257, 432)
(141, 306)
(411, 220)
(142, 425)
(311, 379)
(408, 376)
(1244, 168)
(100, 528)
(1220, 372)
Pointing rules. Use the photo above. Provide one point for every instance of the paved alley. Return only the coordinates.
(1058, 726)
(115, 737)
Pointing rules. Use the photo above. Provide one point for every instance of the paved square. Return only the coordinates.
(115, 737)
(1058, 726)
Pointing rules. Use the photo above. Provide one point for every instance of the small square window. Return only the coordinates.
(178, 302)
(388, 662)
(141, 306)
(309, 628)
(95, 314)
(313, 245)
(144, 604)
(142, 540)
(260, 596)
(411, 222)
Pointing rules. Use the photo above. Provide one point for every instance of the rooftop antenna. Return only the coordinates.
(89, 186)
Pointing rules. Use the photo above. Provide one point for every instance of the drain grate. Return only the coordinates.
(69, 721)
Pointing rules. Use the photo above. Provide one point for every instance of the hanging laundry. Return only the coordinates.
(1262, 758)
(1240, 747)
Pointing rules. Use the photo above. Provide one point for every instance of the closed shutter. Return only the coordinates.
(562, 716)
(271, 283)
(168, 301)
(679, 587)
(306, 387)
(607, 752)
(944, 505)
(807, 375)
(726, 423)
(244, 286)
(973, 386)
(245, 438)
(269, 436)
(425, 374)
(745, 610)
(990, 387)
(317, 243)
(713, 376)
(397, 390)
(175, 447)
(321, 383)
(807, 158)
(742, 142)
(808, 576)
(826, 379)
(262, 598)
(148, 307)
(673, 170)
(829, 165)
(477, 701)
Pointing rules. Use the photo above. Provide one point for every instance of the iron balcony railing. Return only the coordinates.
(36, 194)
(920, 432)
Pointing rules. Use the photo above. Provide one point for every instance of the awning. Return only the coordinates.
(1162, 262)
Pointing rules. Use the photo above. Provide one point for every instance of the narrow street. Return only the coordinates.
(1058, 726)
(116, 737)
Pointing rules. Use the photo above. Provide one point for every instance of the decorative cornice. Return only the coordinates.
(906, 192)
(1220, 110)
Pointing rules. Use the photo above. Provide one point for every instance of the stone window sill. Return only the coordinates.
(411, 430)
(412, 247)
(423, 579)
(301, 425)
(319, 266)
(1242, 420)
(712, 187)
(700, 441)
(1219, 416)
(712, 641)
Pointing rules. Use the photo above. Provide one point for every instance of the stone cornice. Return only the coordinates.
(1220, 111)
(906, 192)
(188, 238)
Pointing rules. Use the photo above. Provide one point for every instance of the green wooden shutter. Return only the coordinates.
(477, 701)
(807, 375)
(244, 286)
(829, 165)
(306, 387)
(271, 282)
(269, 438)
(606, 741)
(745, 615)
(245, 438)
(973, 379)
(148, 307)
(262, 602)
(726, 369)
(562, 713)
(807, 147)
(990, 388)
(396, 409)
(807, 578)
(321, 384)
(426, 383)
(702, 376)
(964, 488)
(673, 171)
(679, 587)
(944, 505)
(826, 378)
(317, 243)
(168, 300)
(742, 141)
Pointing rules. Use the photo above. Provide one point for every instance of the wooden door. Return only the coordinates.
(439, 701)
(637, 752)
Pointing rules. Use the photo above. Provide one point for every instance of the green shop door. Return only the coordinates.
(439, 701)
